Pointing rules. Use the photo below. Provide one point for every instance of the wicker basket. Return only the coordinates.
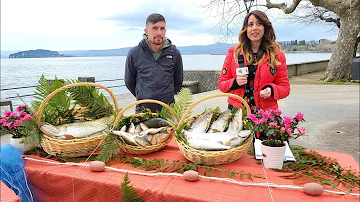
(139, 149)
(74, 147)
(213, 157)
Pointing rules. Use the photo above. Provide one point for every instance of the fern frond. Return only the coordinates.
(128, 192)
(182, 103)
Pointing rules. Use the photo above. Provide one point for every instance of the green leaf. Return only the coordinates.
(128, 192)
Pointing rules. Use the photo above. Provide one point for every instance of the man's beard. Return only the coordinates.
(157, 42)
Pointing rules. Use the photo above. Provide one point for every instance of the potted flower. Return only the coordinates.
(274, 130)
(11, 123)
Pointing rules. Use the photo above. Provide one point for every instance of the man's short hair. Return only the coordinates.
(154, 18)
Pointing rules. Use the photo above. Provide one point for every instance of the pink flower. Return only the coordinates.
(7, 113)
(27, 117)
(301, 130)
(277, 112)
(299, 116)
(282, 130)
(288, 131)
(273, 125)
(21, 108)
(251, 116)
(287, 120)
(263, 120)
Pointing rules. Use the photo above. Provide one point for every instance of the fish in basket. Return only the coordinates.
(213, 137)
(221, 134)
(77, 138)
(150, 132)
(143, 133)
(77, 130)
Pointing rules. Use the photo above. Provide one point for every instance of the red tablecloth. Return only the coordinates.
(55, 182)
(7, 195)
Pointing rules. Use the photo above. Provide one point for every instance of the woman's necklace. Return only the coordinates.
(255, 57)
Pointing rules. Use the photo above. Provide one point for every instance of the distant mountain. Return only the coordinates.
(39, 53)
(217, 48)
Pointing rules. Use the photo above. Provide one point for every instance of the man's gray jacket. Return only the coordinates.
(147, 78)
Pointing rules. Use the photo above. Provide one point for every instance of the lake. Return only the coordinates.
(23, 72)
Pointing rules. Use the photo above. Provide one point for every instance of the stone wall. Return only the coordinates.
(206, 80)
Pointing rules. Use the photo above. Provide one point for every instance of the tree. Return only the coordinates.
(345, 14)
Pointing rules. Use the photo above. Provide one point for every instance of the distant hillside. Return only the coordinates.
(217, 48)
(39, 53)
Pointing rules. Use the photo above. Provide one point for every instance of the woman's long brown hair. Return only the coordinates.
(268, 44)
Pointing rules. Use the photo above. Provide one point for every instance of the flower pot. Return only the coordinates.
(273, 157)
(19, 143)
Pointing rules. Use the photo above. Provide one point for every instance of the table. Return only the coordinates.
(54, 182)
(7, 194)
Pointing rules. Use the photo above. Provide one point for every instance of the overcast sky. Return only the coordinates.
(110, 24)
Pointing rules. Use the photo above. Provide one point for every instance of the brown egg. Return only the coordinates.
(97, 166)
(313, 189)
(191, 175)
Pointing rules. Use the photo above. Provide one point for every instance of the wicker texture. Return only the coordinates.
(213, 157)
(74, 147)
(140, 149)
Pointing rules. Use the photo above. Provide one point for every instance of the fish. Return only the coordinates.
(224, 138)
(206, 145)
(127, 136)
(131, 128)
(220, 123)
(236, 125)
(143, 126)
(77, 130)
(138, 128)
(153, 136)
(151, 131)
(202, 122)
(221, 138)
(142, 140)
(156, 123)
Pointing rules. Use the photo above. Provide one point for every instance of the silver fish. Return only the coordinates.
(201, 123)
(77, 130)
(236, 125)
(127, 136)
(143, 126)
(142, 140)
(138, 128)
(131, 128)
(151, 131)
(221, 138)
(236, 141)
(206, 145)
(220, 123)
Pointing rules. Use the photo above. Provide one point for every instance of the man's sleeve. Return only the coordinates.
(178, 74)
(130, 74)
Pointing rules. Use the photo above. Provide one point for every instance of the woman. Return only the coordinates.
(267, 80)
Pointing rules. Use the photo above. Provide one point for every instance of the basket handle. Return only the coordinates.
(52, 94)
(182, 120)
(119, 116)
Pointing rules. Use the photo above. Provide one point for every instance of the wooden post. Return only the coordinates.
(87, 79)
(6, 103)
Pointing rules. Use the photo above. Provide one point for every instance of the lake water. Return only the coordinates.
(26, 71)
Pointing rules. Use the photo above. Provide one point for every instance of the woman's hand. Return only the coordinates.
(265, 93)
(241, 79)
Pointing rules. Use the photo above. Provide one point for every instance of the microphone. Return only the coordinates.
(241, 70)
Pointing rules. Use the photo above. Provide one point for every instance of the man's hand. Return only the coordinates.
(265, 93)
(241, 79)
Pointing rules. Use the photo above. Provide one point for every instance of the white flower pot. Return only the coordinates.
(19, 143)
(273, 157)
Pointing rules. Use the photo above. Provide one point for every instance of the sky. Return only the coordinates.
(111, 24)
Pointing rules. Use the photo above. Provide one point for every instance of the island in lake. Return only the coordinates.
(39, 53)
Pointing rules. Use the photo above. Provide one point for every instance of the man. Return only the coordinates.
(154, 68)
